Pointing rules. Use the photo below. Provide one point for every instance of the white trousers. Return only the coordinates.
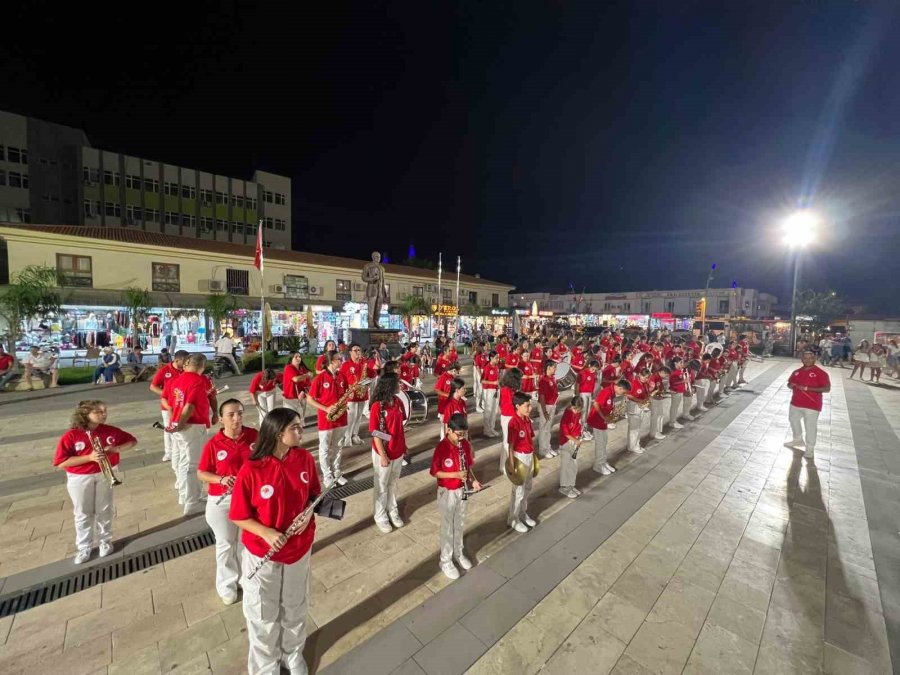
(228, 546)
(634, 430)
(490, 411)
(452, 508)
(275, 607)
(330, 455)
(722, 380)
(265, 402)
(586, 402)
(92, 498)
(504, 426)
(687, 404)
(676, 403)
(568, 467)
(659, 413)
(167, 438)
(809, 419)
(476, 389)
(297, 405)
(731, 379)
(354, 417)
(384, 488)
(190, 447)
(711, 394)
(518, 498)
(702, 391)
(544, 428)
(600, 439)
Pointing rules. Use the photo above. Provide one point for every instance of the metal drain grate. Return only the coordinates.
(58, 588)
(81, 581)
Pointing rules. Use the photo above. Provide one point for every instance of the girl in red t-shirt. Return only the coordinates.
(223, 456)
(272, 488)
(89, 489)
(510, 383)
(386, 419)
(570, 439)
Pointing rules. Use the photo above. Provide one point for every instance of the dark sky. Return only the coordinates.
(611, 145)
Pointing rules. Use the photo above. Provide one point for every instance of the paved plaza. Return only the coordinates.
(717, 551)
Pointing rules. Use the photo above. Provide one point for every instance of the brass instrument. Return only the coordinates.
(105, 467)
(464, 467)
(662, 392)
(618, 411)
(341, 406)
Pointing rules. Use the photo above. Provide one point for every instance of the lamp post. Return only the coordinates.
(703, 301)
(799, 230)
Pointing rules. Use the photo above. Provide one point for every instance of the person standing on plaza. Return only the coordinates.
(807, 384)
(519, 440)
(262, 391)
(510, 383)
(587, 383)
(452, 476)
(638, 400)
(272, 488)
(295, 381)
(190, 422)
(456, 405)
(548, 395)
(443, 387)
(479, 361)
(223, 456)
(861, 359)
(599, 420)
(353, 370)
(570, 439)
(877, 360)
(167, 373)
(88, 487)
(326, 390)
(490, 382)
(386, 418)
(322, 361)
(225, 350)
(677, 387)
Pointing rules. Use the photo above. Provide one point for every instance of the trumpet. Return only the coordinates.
(341, 406)
(105, 467)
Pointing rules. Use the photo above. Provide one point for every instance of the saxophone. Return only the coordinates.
(105, 467)
(618, 411)
(341, 406)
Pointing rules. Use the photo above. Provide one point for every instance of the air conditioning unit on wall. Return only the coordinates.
(212, 285)
(277, 288)
(358, 287)
(315, 290)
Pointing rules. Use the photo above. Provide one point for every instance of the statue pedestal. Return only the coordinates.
(372, 337)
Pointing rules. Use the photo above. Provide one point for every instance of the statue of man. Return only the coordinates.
(373, 275)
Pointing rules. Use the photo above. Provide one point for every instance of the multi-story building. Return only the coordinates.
(720, 302)
(50, 173)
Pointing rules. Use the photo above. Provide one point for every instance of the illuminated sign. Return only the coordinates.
(661, 315)
(444, 310)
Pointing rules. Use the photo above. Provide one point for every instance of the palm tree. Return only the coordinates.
(413, 305)
(217, 308)
(138, 301)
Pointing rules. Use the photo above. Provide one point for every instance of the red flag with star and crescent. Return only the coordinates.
(258, 260)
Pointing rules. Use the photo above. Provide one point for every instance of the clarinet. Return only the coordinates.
(296, 526)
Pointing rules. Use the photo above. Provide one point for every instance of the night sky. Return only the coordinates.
(610, 145)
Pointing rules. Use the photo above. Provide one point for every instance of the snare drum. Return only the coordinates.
(415, 406)
(566, 377)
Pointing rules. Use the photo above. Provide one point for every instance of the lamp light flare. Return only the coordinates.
(800, 228)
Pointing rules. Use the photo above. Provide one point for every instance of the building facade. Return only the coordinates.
(721, 303)
(50, 173)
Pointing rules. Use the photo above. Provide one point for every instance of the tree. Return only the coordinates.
(33, 292)
(138, 301)
(821, 308)
(413, 305)
(471, 309)
(217, 308)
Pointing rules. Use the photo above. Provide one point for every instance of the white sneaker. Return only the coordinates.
(519, 526)
(677, 425)
(167, 458)
(576, 491)
(105, 550)
(328, 483)
(464, 562)
(528, 520)
(609, 467)
(341, 481)
(396, 520)
(611, 426)
(357, 440)
(449, 570)
(588, 436)
(689, 418)
(638, 450)
(229, 599)
(659, 436)
(479, 410)
(404, 461)
(602, 470)
(384, 527)
(703, 408)
(567, 492)
(82, 556)
(810, 454)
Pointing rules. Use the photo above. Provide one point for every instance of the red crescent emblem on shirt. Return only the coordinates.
(79, 446)
(522, 434)
(266, 491)
(448, 463)
(325, 385)
(221, 455)
(110, 440)
(304, 476)
(168, 374)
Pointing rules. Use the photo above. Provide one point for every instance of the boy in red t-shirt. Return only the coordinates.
(326, 390)
(570, 438)
(807, 384)
(262, 391)
(548, 395)
(599, 420)
(452, 465)
(456, 404)
(490, 383)
(519, 442)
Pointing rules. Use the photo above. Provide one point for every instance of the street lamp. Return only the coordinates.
(703, 300)
(799, 231)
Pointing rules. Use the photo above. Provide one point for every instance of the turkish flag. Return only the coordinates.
(258, 260)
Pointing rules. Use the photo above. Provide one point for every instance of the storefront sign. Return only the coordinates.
(661, 315)
(500, 312)
(545, 313)
(444, 310)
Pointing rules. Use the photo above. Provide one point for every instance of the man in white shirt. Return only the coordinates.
(225, 350)
(42, 364)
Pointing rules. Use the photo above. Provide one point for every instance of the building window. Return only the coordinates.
(237, 282)
(221, 225)
(279, 199)
(342, 291)
(151, 215)
(113, 209)
(166, 277)
(473, 298)
(24, 215)
(251, 203)
(133, 182)
(268, 197)
(279, 225)
(172, 218)
(238, 228)
(90, 176)
(133, 215)
(419, 291)
(626, 306)
(74, 270)
(2, 177)
(206, 196)
(170, 189)
(188, 221)
(2, 153)
(206, 224)
(723, 306)
(495, 299)
(221, 198)
(17, 179)
(446, 296)
(17, 155)
(151, 185)
(112, 178)
(296, 286)
(237, 201)
(670, 306)
(188, 192)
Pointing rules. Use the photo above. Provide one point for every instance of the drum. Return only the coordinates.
(415, 405)
(566, 377)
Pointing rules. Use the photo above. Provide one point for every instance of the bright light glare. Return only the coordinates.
(799, 228)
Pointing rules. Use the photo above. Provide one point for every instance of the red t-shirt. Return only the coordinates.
(453, 406)
(444, 383)
(77, 442)
(577, 362)
(440, 365)
(480, 361)
(257, 384)
(676, 381)
(371, 368)
(353, 373)
(587, 380)
(609, 375)
(520, 435)
(507, 407)
(537, 357)
(320, 362)
(191, 388)
(274, 492)
(446, 458)
(326, 389)
(492, 374)
(512, 360)
(289, 388)
(570, 425)
(502, 350)
(6, 362)
(808, 377)
(639, 390)
(627, 369)
(394, 416)
(225, 456)
(164, 375)
(548, 390)
(605, 401)
(528, 385)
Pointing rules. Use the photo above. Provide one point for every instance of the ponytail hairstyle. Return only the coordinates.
(511, 379)
(272, 425)
(82, 412)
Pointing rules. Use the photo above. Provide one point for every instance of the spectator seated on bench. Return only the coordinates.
(110, 364)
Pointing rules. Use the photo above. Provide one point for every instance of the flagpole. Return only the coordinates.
(440, 296)
(458, 263)
(262, 300)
